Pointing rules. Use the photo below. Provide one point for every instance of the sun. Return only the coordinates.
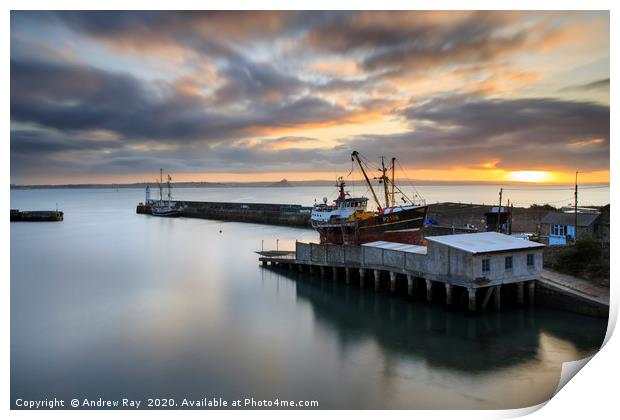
(529, 176)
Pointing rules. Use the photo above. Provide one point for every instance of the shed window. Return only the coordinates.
(486, 265)
(530, 260)
(508, 263)
(558, 230)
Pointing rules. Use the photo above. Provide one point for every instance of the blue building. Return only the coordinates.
(559, 228)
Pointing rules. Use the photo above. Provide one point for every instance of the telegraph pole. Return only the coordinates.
(499, 210)
(510, 224)
(575, 234)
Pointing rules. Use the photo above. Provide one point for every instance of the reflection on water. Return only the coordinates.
(113, 304)
(508, 359)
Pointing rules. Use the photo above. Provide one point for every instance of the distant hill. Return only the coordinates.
(282, 183)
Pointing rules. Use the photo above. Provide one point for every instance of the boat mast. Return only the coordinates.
(169, 189)
(355, 156)
(385, 179)
(393, 181)
(161, 187)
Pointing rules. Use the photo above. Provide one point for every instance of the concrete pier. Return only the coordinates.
(264, 213)
(455, 269)
(36, 216)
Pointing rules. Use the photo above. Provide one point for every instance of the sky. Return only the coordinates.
(111, 97)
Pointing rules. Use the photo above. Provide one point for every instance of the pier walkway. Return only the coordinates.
(579, 288)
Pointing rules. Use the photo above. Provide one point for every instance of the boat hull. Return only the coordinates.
(402, 226)
(165, 213)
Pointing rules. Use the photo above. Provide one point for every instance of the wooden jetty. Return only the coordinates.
(36, 216)
(474, 267)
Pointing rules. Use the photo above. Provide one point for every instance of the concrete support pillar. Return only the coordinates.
(472, 299)
(311, 269)
(429, 290)
(520, 293)
(448, 294)
(264, 262)
(393, 281)
(409, 284)
(362, 274)
(301, 268)
(498, 298)
(347, 275)
(322, 272)
(532, 290)
(334, 273)
(377, 274)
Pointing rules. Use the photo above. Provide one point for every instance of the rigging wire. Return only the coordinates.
(409, 179)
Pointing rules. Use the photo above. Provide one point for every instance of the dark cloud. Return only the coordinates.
(602, 84)
(245, 80)
(418, 40)
(243, 76)
(72, 104)
(70, 97)
(533, 133)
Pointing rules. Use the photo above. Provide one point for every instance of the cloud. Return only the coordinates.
(90, 118)
(535, 133)
(602, 84)
(71, 97)
(245, 80)
(251, 91)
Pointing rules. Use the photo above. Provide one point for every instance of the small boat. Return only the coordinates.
(165, 208)
(348, 221)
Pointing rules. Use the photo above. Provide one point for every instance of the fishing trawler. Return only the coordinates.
(348, 221)
(167, 207)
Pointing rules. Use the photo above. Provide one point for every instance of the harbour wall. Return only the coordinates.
(451, 217)
(36, 216)
(265, 213)
(558, 298)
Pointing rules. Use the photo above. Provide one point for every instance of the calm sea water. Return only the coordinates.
(113, 304)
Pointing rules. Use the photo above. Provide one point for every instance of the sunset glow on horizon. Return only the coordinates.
(111, 97)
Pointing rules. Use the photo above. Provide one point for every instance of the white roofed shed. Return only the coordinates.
(484, 242)
(485, 258)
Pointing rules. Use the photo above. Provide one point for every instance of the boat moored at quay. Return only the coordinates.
(348, 221)
(167, 207)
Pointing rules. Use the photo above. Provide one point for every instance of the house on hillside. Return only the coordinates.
(558, 228)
